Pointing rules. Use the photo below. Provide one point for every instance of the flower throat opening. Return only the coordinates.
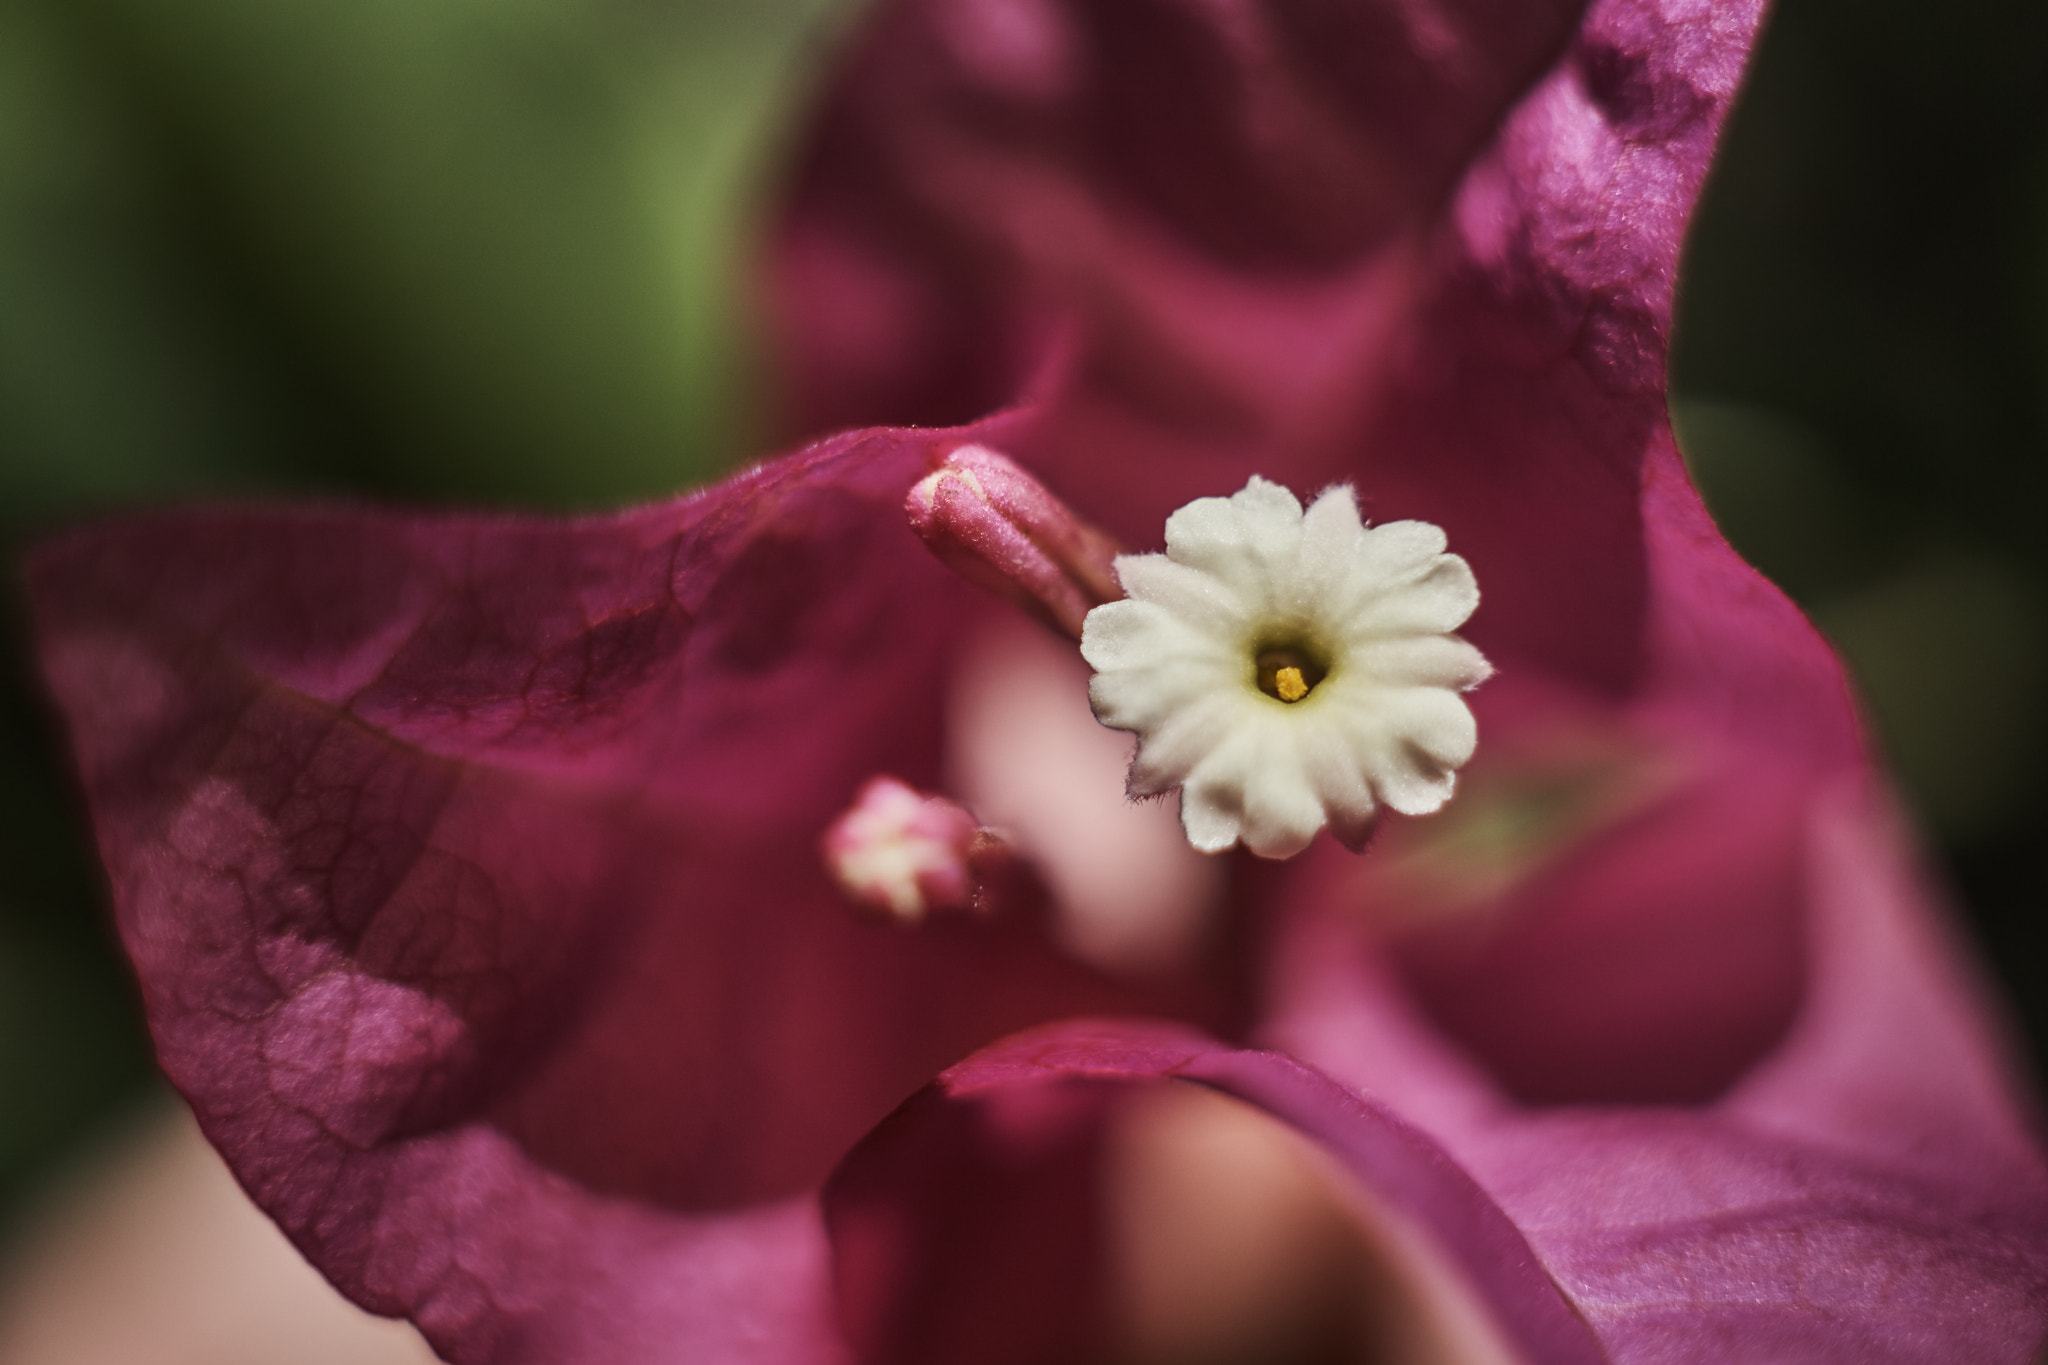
(1288, 673)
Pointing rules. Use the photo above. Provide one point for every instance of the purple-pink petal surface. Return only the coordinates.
(469, 868)
(470, 864)
(945, 1253)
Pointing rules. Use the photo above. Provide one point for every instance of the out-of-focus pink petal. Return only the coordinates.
(1655, 961)
(1428, 250)
(1477, 336)
(1481, 344)
(1896, 1053)
(1027, 752)
(1283, 274)
(969, 1226)
(470, 868)
(1221, 201)
(1869, 1188)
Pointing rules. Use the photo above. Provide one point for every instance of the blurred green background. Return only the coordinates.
(490, 251)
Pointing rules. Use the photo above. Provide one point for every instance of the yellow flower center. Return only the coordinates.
(1288, 674)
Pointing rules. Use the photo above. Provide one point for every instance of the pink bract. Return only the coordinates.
(469, 863)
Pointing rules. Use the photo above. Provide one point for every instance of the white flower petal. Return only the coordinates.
(1440, 599)
(1255, 775)
(1212, 814)
(1248, 540)
(1132, 634)
(1420, 791)
(1159, 702)
(1169, 752)
(1398, 551)
(1282, 809)
(1141, 699)
(1332, 541)
(1438, 723)
(1340, 780)
(1412, 742)
(1201, 599)
(1419, 661)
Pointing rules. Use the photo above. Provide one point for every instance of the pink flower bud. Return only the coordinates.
(996, 526)
(902, 852)
(907, 853)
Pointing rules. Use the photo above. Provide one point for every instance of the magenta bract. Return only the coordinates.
(471, 864)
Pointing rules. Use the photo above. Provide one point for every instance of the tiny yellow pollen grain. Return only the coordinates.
(1289, 683)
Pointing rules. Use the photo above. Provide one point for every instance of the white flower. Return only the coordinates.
(1288, 670)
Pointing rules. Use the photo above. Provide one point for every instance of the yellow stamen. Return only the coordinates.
(1289, 683)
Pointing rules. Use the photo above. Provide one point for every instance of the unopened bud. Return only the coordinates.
(901, 852)
(998, 527)
(908, 854)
